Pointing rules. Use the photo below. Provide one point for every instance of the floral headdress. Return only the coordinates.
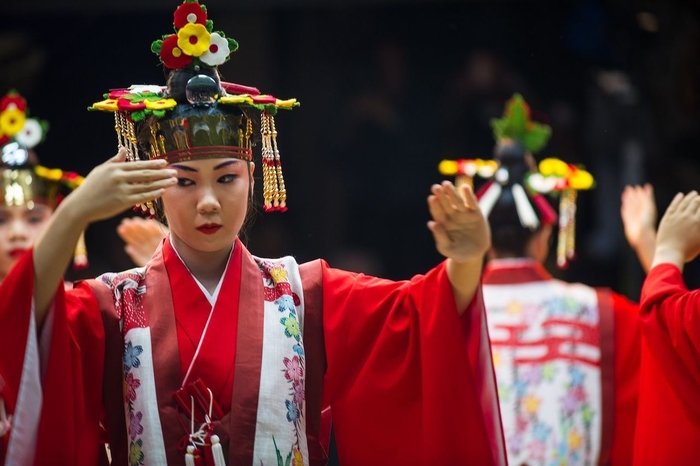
(514, 170)
(24, 181)
(156, 122)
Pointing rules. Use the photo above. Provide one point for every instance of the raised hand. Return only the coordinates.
(109, 189)
(461, 234)
(117, 185)
(677, 240)
(638, 212)
(142, 237)
(460, 230)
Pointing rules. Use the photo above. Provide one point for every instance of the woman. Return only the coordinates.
(29, 192)
(566, 355)
(211, 354)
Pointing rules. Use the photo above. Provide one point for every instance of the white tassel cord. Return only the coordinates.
(526, 213)
(217, 451)
(189, 456)
(489, 198)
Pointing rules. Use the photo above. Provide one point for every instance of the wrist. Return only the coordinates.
(668, 255)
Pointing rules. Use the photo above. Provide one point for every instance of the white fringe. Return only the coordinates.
(526, 213)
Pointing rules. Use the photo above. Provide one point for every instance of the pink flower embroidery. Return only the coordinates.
(293, 371)
(131, 385)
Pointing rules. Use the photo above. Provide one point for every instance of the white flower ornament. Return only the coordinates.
(218, 51)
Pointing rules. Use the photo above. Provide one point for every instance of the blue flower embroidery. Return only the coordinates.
(541, 432)
(577, 376)
(292, 411)
(131, 356)
(298, 350)
(520, 387)
(286, 303)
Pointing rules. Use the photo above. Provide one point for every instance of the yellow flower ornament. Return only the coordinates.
(12, 121)
(193, 39)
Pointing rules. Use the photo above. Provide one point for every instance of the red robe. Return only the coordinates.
(668, 425)
(621, 353)
(409, 381)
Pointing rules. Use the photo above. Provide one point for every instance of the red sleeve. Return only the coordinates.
(668, 431)
(671, 324)
(627, 363)
(68, 398)
(409, 382)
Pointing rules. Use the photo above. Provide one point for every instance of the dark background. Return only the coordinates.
(388, 89)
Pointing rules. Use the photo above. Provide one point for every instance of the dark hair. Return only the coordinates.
(509, 238)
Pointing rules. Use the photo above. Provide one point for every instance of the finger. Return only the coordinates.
(438, 231)
(120, 156)
(470, 196)
(694, 205)
(144, 164)
(687, 201)
(149, 186)
(455, 197)
(673, 206)
(436, 210)
(140, 198)
(444, 200)
(148, 175)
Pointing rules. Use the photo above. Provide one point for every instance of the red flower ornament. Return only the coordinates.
(189, 13)
(13, 98)
(172, 56)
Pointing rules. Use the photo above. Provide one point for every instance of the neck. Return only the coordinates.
(206, 266)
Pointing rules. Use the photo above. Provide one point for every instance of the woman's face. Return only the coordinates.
(19, 228)
(207, 207)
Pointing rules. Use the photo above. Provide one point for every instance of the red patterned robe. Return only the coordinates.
(410, 381)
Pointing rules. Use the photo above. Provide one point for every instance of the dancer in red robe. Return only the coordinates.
(566, 355)
(209, 355)
(668, 426)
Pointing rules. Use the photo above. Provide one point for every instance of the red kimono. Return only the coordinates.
(668, 425)
(409, 381)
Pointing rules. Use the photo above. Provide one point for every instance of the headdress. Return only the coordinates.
(24, 181)
(517, 184)
(198, 116)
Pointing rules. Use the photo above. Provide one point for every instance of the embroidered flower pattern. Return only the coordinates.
(291, 326)
(135, 427)
(278, 290)
(131, 384)
(136, 456)
(557, 381)
(131, 356)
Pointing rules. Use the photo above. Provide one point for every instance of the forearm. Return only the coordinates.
(52, 254)
(645, 249)
(465, 278)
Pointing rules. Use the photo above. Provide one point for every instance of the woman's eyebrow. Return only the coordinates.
(184, 167)
(225, 164)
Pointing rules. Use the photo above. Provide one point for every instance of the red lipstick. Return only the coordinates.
(209, 228)
(16, 253)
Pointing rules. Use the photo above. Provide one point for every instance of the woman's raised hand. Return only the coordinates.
(677, 240)
(117, 185)
(460, 230)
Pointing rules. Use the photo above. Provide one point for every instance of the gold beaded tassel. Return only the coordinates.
(80, 260)
(566, 241)
(281, 195)
(571, 233)
(270, 187)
